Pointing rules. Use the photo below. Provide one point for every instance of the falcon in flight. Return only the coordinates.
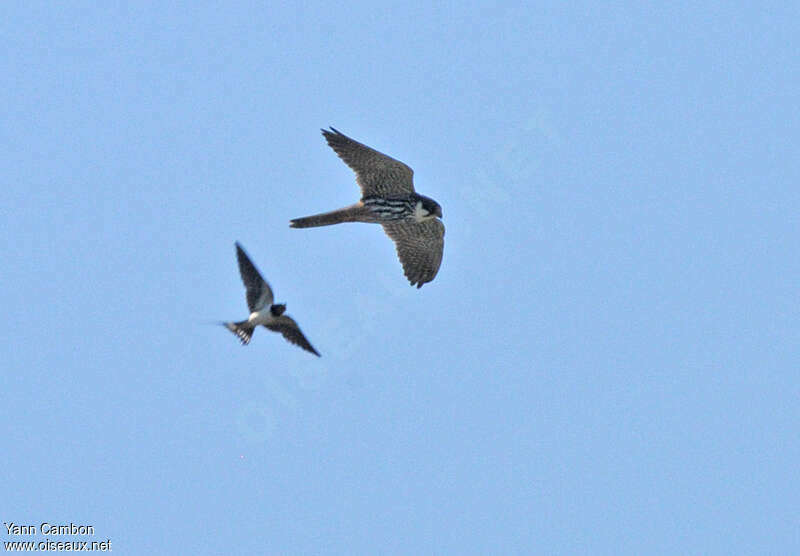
(388, 198)
(262, 310)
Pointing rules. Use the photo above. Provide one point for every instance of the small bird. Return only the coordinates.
(388, 198)
(262, 310)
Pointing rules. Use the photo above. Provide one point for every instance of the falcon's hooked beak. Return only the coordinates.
(438, 211)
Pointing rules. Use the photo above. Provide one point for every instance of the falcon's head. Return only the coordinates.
(277, 309)
(430, 206)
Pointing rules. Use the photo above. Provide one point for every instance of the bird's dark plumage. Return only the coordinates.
(289, 329)
(257, 290)
(262, 310)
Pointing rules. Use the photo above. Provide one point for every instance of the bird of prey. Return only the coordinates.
(388, 198)
(262, 310)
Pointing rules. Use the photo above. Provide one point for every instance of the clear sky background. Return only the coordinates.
(607, 361)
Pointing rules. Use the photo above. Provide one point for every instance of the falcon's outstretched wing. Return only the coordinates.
(376, 174)
(419, 247)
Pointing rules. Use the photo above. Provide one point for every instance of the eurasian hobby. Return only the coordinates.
(262, 310)
(388, 198)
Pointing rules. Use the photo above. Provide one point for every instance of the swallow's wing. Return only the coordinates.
(376, 174)
(288, 327)
(419, 247)
(259, 294)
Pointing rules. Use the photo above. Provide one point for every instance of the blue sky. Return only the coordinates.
(607, 361)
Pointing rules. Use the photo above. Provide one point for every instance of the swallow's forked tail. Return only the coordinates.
(354, 213)
(243, 329)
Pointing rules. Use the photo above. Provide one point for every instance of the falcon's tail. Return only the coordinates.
(354, 213)
(243, 329)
